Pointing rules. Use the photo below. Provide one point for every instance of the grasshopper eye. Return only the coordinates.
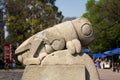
(86, 29)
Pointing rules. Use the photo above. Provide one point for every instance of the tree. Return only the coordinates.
(27, 17)
(104, 15)
(2, 6)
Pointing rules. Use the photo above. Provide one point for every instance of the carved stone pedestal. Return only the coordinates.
(54, 72)
(61, 65)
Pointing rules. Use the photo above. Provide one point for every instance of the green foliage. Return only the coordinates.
(27, 17)
(104, 16)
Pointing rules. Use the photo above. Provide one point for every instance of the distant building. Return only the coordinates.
(68, 19)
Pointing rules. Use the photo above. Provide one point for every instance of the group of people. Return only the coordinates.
(116, 66)
(10, 64)
(102, 63)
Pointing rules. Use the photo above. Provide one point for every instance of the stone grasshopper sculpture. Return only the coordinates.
(70, 35)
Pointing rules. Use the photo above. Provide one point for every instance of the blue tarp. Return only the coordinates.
(107, 53)
(115, 51)
(98, 55)
(86, 51)
(112, 52)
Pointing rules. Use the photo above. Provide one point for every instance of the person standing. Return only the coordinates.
(97, 62)
(13, 64)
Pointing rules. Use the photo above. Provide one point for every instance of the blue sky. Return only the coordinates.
(71, 8)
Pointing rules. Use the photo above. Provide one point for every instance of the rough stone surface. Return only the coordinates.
(70, 35)
(56, 61)
(55, 53)
(78, 59)
(54, 72)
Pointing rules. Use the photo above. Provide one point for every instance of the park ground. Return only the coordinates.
(105, 74)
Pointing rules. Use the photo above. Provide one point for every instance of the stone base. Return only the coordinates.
(54, 72)
(61, 65)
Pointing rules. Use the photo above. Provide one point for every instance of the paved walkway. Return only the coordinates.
(105, 74)
(11, 74)
(108, 74)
